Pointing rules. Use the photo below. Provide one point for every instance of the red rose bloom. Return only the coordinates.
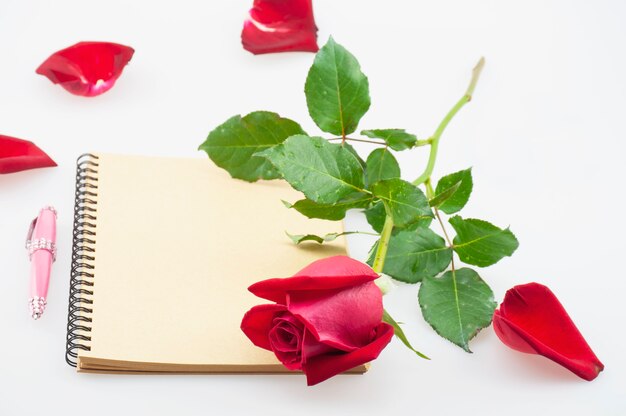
(532, 320)
(326, 320)
(87, 68)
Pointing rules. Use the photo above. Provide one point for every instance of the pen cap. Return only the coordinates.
(46, 225)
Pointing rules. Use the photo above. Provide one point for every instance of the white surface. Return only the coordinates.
(545, 135)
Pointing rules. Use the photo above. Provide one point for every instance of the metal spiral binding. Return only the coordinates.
(83, 255)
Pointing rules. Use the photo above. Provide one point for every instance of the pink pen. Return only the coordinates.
(41, 246)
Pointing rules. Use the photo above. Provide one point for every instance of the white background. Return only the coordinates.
(545, 134)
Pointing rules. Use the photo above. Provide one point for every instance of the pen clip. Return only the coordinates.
(29, 236)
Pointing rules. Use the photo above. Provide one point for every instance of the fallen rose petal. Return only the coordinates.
(17, 155)
(87, 68)
(280, 26)
(532, 320)
(330, 273)
(324, 366)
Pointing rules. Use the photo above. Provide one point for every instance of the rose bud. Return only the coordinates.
(17, 155)
(280, 26)
(326, 320)
(87, 68)
(532, 320)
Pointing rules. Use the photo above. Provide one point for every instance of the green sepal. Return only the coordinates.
(399, 333)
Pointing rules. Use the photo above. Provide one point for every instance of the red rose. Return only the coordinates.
(532, 320)
(326, 320)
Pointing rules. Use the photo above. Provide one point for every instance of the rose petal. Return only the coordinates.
(337, 266)
(324, 366)
(87, 68)
(286, 337)
(258, 322)
(311, 347)
(532, 320)
(330, 273)
(341, 319)
(280, 26)
(17, 155)
(287, 332)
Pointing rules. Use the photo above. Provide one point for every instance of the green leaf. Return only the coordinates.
(480, 243)
(406, 203)
(459, 198)
(333, 212)
(381, 165)
(324, 172)
(375, 216)
(337, 92)
(399, 333)
(354, 152)
(232, 145)
(457, 305)
(414, 255)
(397, 139)
(439, 199)
(299, 238)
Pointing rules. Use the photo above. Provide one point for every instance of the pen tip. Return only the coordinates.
(36, 306)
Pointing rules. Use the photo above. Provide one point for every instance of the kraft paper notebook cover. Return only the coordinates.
(164, 250)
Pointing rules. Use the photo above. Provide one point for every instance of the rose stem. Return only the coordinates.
(424, 178)
(434, 140)
(430, 193)
(383, 243)
(351, 139)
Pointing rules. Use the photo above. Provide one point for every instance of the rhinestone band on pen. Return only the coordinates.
(42, 244)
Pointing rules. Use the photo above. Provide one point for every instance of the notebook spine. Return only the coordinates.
(83, 256)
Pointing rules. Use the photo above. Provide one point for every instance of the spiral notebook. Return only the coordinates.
(164, 250)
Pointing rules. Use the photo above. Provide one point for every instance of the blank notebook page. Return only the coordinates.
(178, 241)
